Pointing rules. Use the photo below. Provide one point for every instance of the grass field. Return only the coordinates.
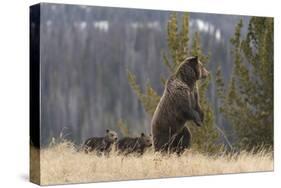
(62, 164)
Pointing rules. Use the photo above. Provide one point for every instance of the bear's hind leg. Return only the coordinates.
(181, 141)
(160, 144)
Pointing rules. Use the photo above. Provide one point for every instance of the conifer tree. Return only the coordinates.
(247, 100)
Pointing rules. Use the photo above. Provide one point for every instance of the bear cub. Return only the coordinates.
(138, 145)
(101, 144)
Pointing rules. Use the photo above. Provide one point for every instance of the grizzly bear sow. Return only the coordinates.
(179, 103)
(128, 145)
(101, 144)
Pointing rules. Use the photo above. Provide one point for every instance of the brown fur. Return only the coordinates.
(101, 144)
(138, 145)
(179, 103)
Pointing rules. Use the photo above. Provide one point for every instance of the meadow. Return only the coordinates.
(62, 163)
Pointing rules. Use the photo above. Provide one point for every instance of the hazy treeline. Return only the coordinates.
(85, 54)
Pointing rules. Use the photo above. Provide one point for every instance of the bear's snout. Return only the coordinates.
(204, 73)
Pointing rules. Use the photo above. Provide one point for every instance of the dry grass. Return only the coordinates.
(62, 164)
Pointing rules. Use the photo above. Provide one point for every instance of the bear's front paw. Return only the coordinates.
(201, 114)
(199, 123)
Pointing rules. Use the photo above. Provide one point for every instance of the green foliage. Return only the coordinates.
(204, 139)
(248, 101)
(196, 49)
(149, 98)
(177, 42)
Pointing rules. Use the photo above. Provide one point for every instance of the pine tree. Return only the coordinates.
(248, 103)
(205, 138)
(149, 98)
(177, 42)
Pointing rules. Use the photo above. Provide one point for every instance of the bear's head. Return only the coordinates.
(147, 140)
(191, 70)
(111, 136)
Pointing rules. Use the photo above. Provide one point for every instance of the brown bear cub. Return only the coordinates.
(138, 145)
(178, 104)
(102, 145)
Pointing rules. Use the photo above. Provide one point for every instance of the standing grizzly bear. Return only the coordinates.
(101, 144)
(179, 103)
(129, 145)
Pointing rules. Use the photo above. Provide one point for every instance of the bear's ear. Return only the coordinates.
(142, 134)
(107, 130)
(195, 60)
